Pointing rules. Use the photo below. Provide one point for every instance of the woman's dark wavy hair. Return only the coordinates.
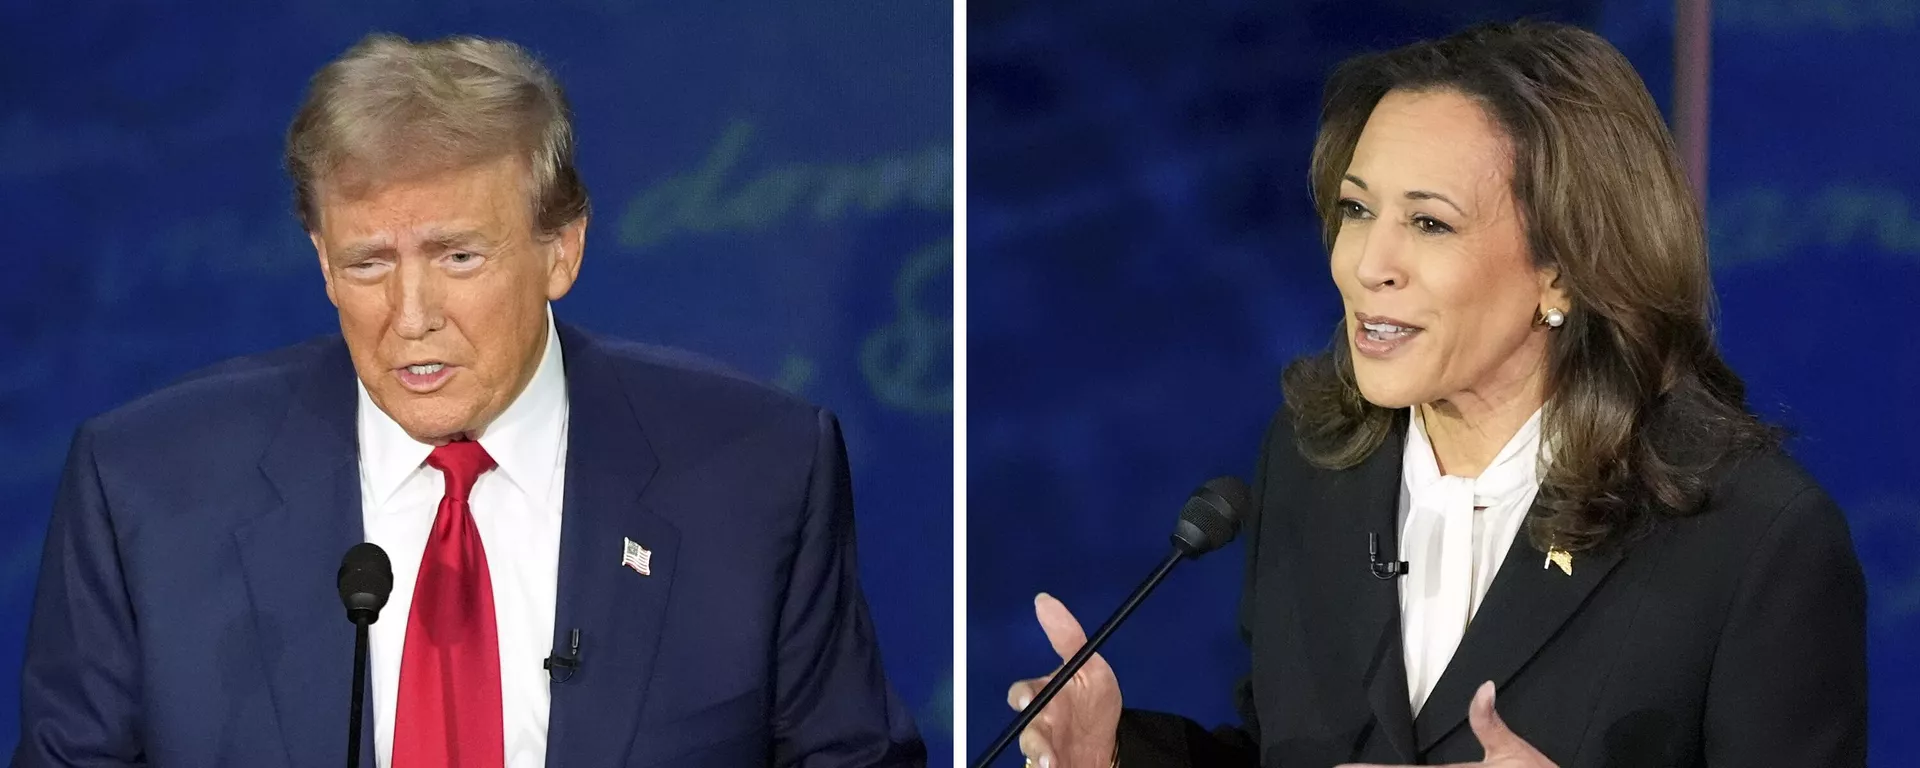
(1639, 403)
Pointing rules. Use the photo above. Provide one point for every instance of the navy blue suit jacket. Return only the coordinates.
(187, 613)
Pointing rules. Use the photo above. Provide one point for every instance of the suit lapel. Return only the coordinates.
(619, 612)
(1352, 619)
(289, 556)
(1387, 690)
(1524, 607)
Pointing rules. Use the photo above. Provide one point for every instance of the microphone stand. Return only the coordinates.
(359, 688)
(365, 580)
(1066, 673)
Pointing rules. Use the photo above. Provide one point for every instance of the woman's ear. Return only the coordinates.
(1553, 290)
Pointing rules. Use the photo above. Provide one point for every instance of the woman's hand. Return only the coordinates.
(1079, 728)
(1504, 748)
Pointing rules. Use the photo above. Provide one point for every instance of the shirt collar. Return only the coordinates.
(525, 440)
(1516, 466)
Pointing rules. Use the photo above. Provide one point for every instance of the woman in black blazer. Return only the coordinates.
(1524, 403)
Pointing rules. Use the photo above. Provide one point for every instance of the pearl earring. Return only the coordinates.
(1555, 318)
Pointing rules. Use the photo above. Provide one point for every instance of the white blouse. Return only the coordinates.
(1454, 534)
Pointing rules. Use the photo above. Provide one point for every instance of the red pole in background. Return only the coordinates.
(1692, 66)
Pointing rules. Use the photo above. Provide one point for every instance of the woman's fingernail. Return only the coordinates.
(1046, 761)
(1025, 700)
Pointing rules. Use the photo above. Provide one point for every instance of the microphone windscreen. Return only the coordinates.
(1211, 517)
(366, 578)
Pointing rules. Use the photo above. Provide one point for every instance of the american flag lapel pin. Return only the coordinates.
(637, 557)
(1559, 557)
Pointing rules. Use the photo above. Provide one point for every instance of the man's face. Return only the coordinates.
(442, 289)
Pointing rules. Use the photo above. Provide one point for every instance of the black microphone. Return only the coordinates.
(1210, 519)
(1382, 570)
(569, 661)
(365, 580)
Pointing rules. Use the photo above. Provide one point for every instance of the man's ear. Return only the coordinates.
(568, 249)
(326, 270)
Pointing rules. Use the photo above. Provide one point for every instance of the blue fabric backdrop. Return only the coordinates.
(772, 186)
(1143, 260)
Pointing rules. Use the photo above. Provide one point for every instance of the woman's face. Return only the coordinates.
(1432, 260)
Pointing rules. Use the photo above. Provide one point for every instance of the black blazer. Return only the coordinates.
(1736, 637)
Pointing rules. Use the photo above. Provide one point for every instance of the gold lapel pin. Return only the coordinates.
(1559, 557)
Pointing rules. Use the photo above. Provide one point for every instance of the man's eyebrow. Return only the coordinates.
(440, 239)
(360, 251)
(459, 238)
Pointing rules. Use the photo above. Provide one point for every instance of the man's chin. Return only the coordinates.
(439, 435)
(431, 424)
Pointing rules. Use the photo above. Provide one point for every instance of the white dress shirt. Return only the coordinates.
(516, 507)
(1454, 534)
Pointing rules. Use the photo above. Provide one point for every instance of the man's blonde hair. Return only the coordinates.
(392, 108)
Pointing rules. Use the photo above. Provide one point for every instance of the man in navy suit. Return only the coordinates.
(532, 484)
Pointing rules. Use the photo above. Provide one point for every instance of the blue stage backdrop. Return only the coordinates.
(1145, 260)
(771, 185)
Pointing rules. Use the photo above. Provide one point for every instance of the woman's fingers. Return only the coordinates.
(1034, 744)
(1022, 692)
(1067, 716)
(1063, 630)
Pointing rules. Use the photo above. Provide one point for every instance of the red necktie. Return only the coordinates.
(449, 713)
